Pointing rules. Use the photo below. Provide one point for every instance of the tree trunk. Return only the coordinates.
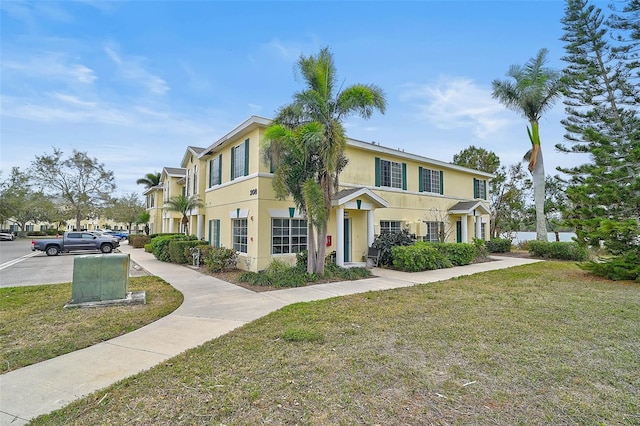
(538, 195)
(322, 249)
(311, 248)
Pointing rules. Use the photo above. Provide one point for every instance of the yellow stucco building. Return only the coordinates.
(381, 189)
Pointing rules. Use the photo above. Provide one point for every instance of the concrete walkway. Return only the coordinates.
(210, 309)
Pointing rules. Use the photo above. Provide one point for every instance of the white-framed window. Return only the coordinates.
(195, 179)
(430, 181)
(215, 171)
(390, 226)
(240, 160)
(433, 231)
(288, 235)
(240, 235)
(479, 188)
(390, 174)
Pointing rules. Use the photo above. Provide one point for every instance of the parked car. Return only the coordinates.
(72, 241)
(105, 234)
(123, 235)
(7, 236)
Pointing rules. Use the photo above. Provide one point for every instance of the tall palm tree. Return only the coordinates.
(533, 91)
(319, 103)
(183, 205)
(149, 180)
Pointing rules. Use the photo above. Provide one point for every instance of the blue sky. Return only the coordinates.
(134, 83)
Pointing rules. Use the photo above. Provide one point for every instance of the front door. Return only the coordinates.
(347, 240)
(459, 231)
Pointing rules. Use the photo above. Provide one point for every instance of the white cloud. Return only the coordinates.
(457, 103)
(132, 68)
(49, 66)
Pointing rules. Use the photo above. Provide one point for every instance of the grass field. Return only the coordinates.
(35, 327)
(541, 344)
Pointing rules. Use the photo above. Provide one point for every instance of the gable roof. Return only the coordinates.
(346, 195)
(246, 126)
(468, 207)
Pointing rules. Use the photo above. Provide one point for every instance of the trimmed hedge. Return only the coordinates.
(218, 259)
(498, 245)
(419, 257)
(558, 250)
(139, 241)
(459, 254)
(179, 250)
(160, 245)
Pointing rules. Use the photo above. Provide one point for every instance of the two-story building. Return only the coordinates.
(381, 189)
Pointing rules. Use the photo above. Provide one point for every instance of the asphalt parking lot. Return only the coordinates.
(19, 266)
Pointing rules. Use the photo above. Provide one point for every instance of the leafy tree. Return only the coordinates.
(477, 159)
(81, 182)
(532, 92)
(507, 189)
(126, 209)
(144, 217)
(20, 204)
(183, 205)
(150, 180)
(320, 107)
(603, 120)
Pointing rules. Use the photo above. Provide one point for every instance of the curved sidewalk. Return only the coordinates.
(210, 309)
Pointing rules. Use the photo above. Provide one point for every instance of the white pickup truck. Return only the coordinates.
(73, 241)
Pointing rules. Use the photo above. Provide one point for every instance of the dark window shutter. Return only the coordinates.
(246, 157)
(404, 176)
(377, 171)
(210, 231)
(484, 189)
(220, 169)
(217, 241)
(210, 179)
(420, 179)
(475, 188)
(441, 182)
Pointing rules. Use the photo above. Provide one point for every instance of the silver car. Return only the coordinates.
(7, 236)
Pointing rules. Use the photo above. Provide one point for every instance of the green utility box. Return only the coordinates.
(99, 277)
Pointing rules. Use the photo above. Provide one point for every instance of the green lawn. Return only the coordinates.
(35, 327)
(538, 344)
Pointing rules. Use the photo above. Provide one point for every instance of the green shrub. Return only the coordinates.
(458, 253)
(147, 248)
(139, 241)
(179, 250)
(418, 257)
(623, 267)
(301, 259)
(218, 259)
(36, 234)
(53, 231)
(160, 245)
(387, 240)
(499, 245)
(558, 250)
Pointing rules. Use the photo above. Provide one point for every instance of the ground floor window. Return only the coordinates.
(240, 235)
(434, 230)
(214, 232)
(390, 226)
(288, 235)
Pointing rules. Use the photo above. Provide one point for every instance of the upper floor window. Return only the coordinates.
(195, 179)
(479, 188)
(390, 174)
(390, 226)
(240, 160)
(430, 181)
(188, 188)
(215, 171)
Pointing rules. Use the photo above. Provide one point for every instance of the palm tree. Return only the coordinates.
(320, 104)
(183, 205)
(149, 180)
(533, 91)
